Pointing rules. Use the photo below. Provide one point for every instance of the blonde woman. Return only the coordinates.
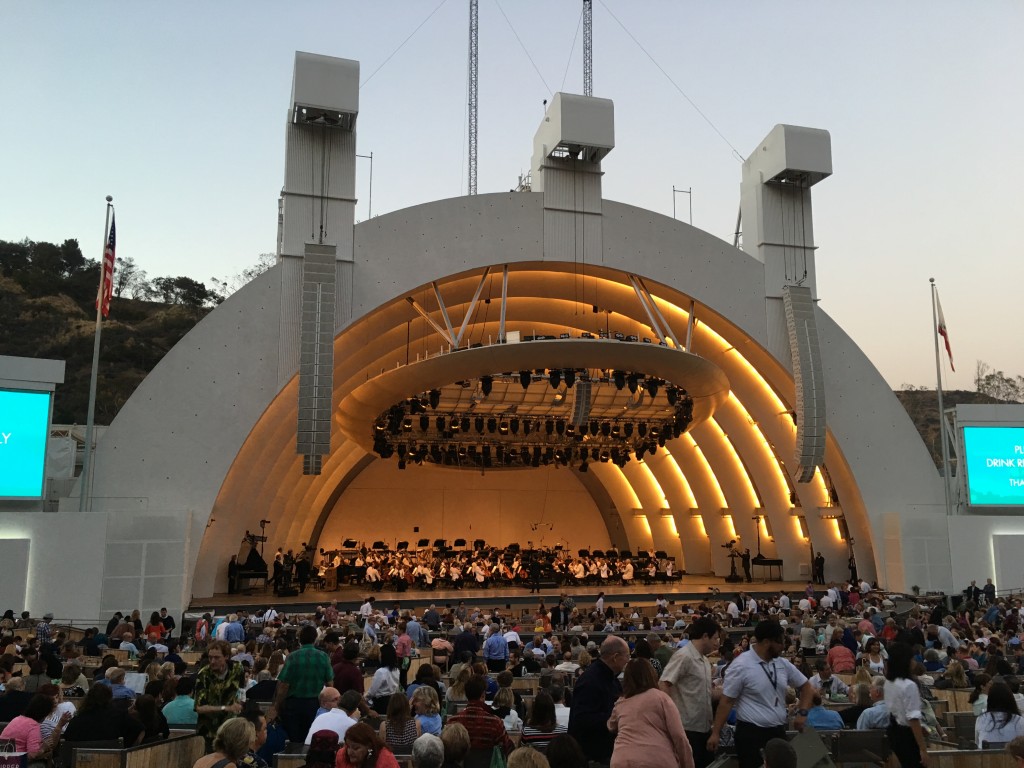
(427, 707)
(233, 741)
(457, 690)
(504, 706)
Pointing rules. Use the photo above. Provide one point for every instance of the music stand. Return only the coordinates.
(349, 543)
(459, 543)
(479, 544)
(402, 545)
(379, 545)
(440, 543)
(423, 543)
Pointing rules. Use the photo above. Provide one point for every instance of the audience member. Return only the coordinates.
(646, 723)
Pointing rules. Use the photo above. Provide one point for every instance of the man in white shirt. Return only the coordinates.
(366, 609)
(599, 603)
(824, 681)
(733, 610)
(826, 602)
(340, 718)
(784, 601)
(561, 711)
(756, 684)
(687, 680)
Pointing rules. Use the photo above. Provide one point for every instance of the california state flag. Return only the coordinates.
(943, 332)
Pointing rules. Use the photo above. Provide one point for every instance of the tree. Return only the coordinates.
(229, 285)
(997, 384)
(128, 276)
(186, 292)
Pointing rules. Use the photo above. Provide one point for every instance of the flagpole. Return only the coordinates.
(85, 487)
(942, 412)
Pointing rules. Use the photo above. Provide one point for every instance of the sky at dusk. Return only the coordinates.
(178, 110)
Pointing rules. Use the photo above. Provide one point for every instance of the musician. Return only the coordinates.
(627, 573)
(233, 575)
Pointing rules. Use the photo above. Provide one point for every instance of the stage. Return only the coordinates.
(687, 589)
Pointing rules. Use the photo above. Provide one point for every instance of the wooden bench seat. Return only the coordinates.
(177, 751)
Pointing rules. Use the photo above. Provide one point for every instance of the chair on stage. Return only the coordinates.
(479, 545)
(459, 543)
(441, 544)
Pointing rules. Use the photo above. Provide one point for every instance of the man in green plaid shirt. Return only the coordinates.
(304, 675)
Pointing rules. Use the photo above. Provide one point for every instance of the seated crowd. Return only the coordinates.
(564, 686)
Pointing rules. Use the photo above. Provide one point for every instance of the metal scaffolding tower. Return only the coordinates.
(474, 87)
(588, 48)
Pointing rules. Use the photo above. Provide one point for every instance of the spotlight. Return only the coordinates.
(526, 427)
(594, 427)
(478, 422)
(653, 449)
(435, 398)
(524, 379)
(570, 377)
(514, 426)
(652, 387)
(407, 425)
(439, 423)
(633, 382)
(615, 431)
(549, 426)
(492, 425)
(465, 423)
(486, 383)
(672, 394)
(620, 379)
(503, 427)
(560, 427)
(627, 429)
(424, 423)
(606, 429)
(555, 378)
(640, 451)
(582, 429)
(401, 451)
(615, 455)
(604, 457)
(524, 454)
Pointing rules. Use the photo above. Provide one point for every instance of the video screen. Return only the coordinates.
(995, 465)
(24, 428)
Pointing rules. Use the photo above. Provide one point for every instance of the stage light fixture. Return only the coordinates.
(555, 378)
(606, 429)
(672, 394)
(435, 398)
(513, 425)
(627, 429)
(407, 425)
(527, 426)
(424, 423)
(549, 426)
(439, 423)
(604, 457)
(492, 425)
(633, 382)
(652, 387)
(583, 466)
(524, 379)
(594, 427)
(486, 384)
(465, 423)
(560, 427)
(619, 377)
(615, 431)
(401, 463)
(641, 429)
(503, 427)
(570, 377)
(478, 423)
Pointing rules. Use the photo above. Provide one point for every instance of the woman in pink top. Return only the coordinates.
(26, 732)
(648, 731)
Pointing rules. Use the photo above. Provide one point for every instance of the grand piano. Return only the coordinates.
(252, 568)
(767, 563)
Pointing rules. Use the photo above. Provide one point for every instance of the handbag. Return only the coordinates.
(11, 759)
(497, 758)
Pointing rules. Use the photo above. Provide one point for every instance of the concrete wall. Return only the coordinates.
(982, 548)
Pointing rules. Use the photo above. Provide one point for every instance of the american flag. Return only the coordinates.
(106, 291)
(942, 330)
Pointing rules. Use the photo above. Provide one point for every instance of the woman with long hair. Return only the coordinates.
(542, 725)
(99, 720)
(385, 680)
(26, 733)
(979, 696)
(152, 719)
(648, 731)
(955, 677)
(399, 729)
(875, 657)
(642, 650)
(364, 749)
(902, 697)
(457, 690)
(1001, 721)
(504, 706)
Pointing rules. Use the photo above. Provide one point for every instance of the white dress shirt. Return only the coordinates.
(759, 688)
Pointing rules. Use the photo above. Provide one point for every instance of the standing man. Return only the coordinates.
(216, 691)
(745, 562)
(687, 680)
(594, 696)
(819, 568)
(303, 676)
(495, 650)
(756, 684)
(168, 621)
(535, 575)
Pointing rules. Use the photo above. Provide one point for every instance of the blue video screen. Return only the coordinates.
(995, 465)
(24, 428)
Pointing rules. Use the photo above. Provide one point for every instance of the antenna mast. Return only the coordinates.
(588, 48)
(474, 87)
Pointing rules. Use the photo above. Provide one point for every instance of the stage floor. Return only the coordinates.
(689, 589)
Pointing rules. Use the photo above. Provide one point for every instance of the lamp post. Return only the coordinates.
(689, 193)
